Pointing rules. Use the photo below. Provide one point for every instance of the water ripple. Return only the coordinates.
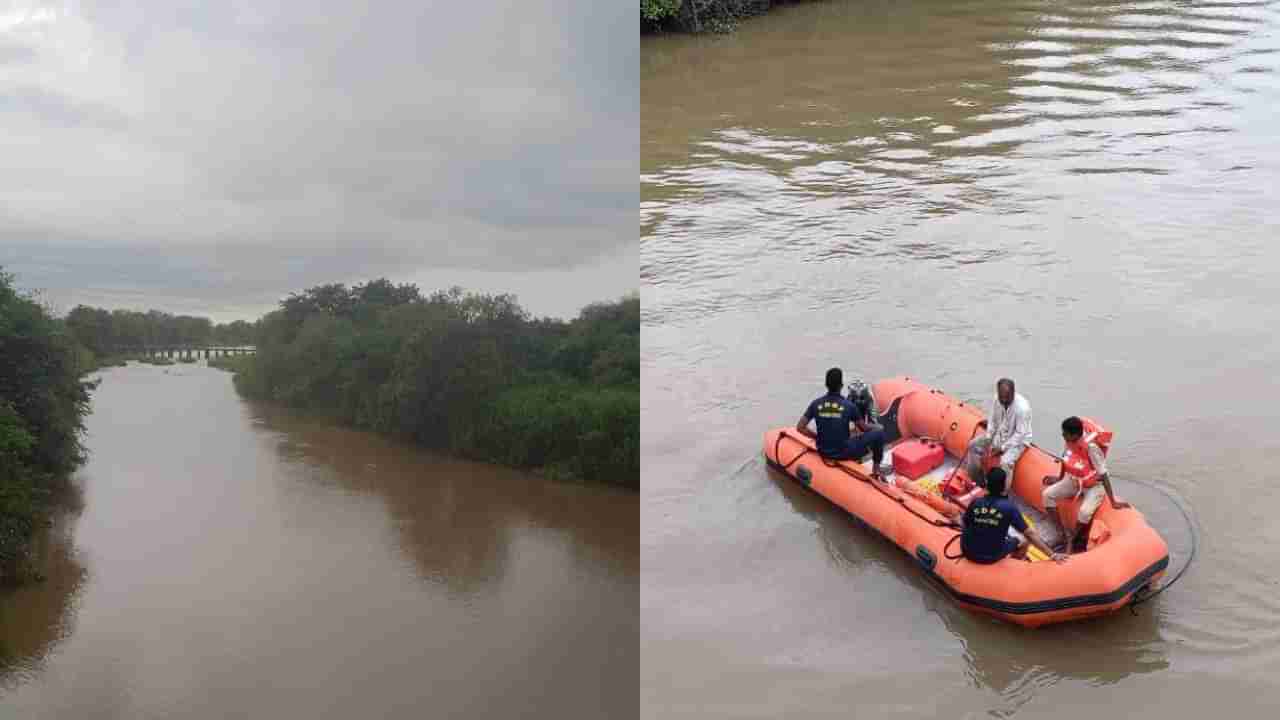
(1084, 92)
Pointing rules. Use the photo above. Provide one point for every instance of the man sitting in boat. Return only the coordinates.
(994, 527)
(865, 405)
(834, 415)
(1008, 428)
(1083, 471)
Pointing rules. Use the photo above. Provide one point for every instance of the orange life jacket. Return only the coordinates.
(1076, 459)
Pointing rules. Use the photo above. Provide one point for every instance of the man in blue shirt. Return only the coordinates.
(833, 415)
(986, 538)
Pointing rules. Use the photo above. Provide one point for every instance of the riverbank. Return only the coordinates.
(470, 375)
(123, 360)
(43, 403)
(548, 407)
(698, 16)
(230, 363)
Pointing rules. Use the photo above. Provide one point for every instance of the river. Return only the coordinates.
(1080, 195)
(225, 559)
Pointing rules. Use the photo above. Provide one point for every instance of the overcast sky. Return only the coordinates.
(212, 157)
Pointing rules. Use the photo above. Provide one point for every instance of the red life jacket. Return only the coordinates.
(1076, 459)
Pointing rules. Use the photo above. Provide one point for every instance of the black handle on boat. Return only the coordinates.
(777, 450)
(947, 547)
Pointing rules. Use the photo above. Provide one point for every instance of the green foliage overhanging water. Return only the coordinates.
(43, 403)
(469, 374)
(698, 15)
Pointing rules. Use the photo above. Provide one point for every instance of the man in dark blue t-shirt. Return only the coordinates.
(833, 415)
(986, 538)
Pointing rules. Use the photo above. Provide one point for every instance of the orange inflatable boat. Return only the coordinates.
(1124, 557)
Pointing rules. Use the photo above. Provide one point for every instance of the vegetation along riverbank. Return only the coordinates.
(699, 15)
(469, 374)
(43, 403)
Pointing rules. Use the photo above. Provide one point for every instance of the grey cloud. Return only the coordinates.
(399, 137)
(15, 54)
(57, 111)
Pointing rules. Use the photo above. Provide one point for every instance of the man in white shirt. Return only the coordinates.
(1008, 426)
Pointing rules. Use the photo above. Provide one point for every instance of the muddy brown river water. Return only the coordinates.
(222, 559)
(1081, 195)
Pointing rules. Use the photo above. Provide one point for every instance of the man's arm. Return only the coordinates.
(992, 421)
(1049, 479)
(1034, 538)
(999, 418)
(857, 418)
(802, 426)
(1100, 463)
(1021, 427)
(1106, 483)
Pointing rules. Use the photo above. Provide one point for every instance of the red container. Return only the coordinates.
(916, 457)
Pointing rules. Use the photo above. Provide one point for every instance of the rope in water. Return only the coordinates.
(1195, 544)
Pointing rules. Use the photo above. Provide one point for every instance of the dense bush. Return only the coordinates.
(470, 374)
(108, 333)
(571, 429)
(698, 15)
(658, 10)
(43, 403)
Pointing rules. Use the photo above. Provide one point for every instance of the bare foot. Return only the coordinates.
(1070, 549)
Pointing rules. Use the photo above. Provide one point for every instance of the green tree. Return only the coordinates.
(658, 10)
(472, 374)
(43, 403)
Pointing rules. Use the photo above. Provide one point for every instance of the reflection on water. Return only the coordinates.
(232, 560)
(845, 130)
(1077, 194)
(35, 617)
(456, 518)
